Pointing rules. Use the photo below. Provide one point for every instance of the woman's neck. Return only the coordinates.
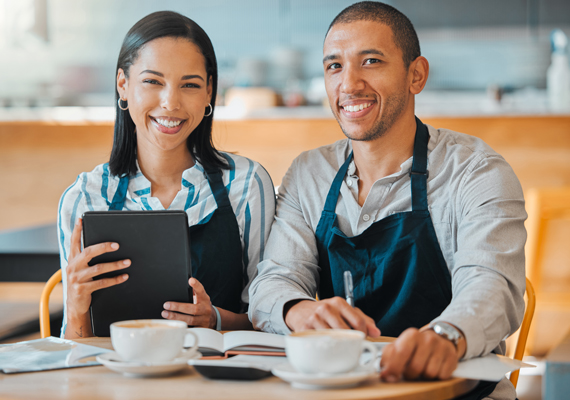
(164, 171)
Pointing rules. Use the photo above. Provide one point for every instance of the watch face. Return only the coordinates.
(447, 331)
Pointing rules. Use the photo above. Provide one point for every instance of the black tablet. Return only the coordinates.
(158, 245)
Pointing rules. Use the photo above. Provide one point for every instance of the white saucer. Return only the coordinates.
(299, 380)
(113, 362)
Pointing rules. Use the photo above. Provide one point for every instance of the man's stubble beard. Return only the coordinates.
(393, 108)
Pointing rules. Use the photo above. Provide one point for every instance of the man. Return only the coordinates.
(429, 221)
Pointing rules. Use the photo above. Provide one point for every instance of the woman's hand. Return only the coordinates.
(201, 313)
(80, 282)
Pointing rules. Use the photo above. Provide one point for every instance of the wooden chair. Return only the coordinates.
(524, 329)
(45, 328)
(548, 263)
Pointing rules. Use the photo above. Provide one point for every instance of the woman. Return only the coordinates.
(163, 158)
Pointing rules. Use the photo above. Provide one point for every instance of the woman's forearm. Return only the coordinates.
(78, 327)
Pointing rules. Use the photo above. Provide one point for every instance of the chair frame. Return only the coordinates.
(45, 328)
(524, 329)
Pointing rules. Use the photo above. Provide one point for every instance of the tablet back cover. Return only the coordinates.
(157, 243)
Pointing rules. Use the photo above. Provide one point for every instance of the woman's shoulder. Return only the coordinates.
(246, 176)
(241, 167)
(92, 186)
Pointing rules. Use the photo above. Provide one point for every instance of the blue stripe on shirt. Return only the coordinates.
(105, 183)
(232, 165)
(61, 234)
(245, 186)
(144, 202)
(189, 197)
(86, 192)
(74, 212)
(142, 191)
(262, 218)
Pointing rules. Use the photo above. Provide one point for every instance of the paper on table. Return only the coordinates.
(491, 367)
(46, 354)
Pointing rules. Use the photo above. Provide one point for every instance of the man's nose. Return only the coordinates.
(352, 81)
(170, 98)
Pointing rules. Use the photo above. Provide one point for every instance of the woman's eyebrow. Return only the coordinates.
(184, 78)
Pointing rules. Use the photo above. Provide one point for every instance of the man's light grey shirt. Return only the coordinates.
(477, 208)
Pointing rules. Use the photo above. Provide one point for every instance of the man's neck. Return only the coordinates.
(383, 156)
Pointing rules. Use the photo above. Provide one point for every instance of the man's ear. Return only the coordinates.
(418, 74)
(122, 84)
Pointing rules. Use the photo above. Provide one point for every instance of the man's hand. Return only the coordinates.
(420, 354)
(333, 313)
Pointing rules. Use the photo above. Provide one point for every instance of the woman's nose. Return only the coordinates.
(170, 99)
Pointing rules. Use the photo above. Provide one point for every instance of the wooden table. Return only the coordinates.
(102, 383)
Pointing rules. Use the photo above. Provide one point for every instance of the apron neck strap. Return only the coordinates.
(419, 173)
(332, 197)
(218, 188)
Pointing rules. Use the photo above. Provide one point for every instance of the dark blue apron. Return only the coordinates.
(400, 276)
(215, 246)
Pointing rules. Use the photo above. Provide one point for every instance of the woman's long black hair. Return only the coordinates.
(153, 26)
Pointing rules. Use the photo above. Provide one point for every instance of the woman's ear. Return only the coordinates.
(122, 84)
(209, 90)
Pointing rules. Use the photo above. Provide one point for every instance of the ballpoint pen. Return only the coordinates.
(348, 289)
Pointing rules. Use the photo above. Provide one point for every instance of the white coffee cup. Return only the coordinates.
(327, 351)
(151, 340)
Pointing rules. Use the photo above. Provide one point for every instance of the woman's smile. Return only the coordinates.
(168, 125)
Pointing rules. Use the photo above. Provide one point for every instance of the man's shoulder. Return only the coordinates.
(467, 145)
(329, 156)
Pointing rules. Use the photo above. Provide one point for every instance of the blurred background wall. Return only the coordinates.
(64, 52)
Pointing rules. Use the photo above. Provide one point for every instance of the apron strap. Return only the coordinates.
(218, 188)
(332, 197)
(419, 173)
(120, 195)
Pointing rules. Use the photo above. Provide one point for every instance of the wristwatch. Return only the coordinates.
(447, 331)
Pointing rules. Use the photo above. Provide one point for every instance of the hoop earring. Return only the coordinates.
(119, 103)
(211, 110)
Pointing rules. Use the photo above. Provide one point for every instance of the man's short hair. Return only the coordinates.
(405, 35)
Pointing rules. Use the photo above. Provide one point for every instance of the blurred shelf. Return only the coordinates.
(429, 104)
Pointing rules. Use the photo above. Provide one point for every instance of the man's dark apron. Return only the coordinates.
(400, 276)
(215, 246)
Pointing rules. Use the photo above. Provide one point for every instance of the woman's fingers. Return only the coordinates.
(105, 283)
(99, 269)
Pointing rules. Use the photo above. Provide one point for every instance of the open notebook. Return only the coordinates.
(214, 343)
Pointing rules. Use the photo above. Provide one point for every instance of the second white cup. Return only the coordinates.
(327, 351)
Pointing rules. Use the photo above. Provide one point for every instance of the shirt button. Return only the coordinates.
(366, 217)
(349, 182)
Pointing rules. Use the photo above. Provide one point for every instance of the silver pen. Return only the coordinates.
(348, 288)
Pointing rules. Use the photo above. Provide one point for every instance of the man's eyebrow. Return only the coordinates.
(372, 51)
(184, 78)
(330, 57)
